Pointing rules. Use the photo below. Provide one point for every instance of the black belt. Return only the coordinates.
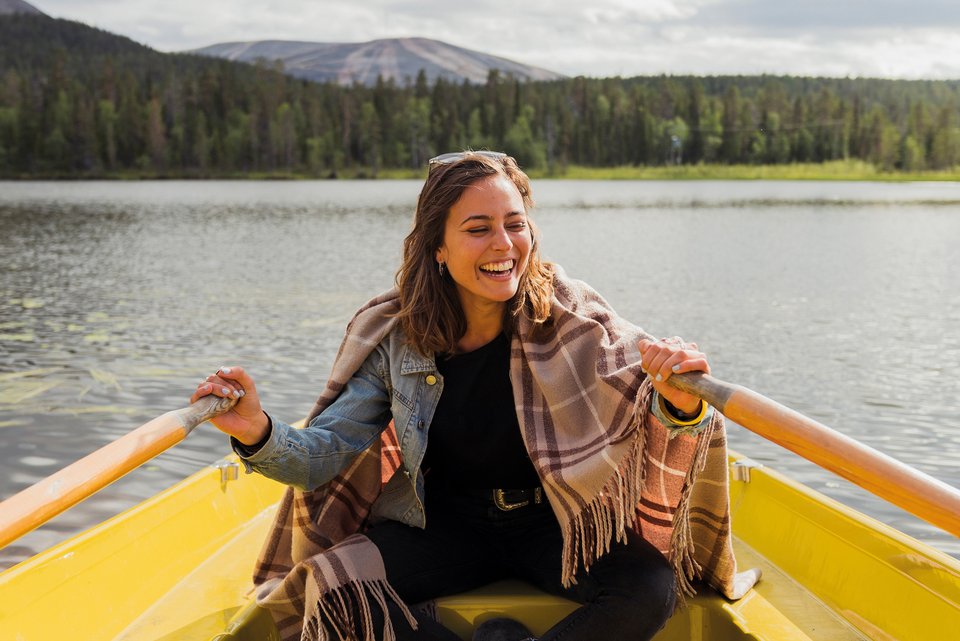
(507, 500)
(503, 499)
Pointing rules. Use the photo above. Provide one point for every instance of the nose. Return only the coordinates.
(501, 240)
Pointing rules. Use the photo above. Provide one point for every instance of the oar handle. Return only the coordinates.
(920, 494)
(42, 501)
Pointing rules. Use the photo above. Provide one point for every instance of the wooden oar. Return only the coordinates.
(916, 492)
(42, 501)
(920, 494)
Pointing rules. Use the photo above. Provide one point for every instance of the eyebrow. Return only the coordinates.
(487, 217)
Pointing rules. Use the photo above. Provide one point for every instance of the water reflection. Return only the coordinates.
(840, 300)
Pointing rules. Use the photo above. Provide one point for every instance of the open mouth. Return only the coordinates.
(501, 268)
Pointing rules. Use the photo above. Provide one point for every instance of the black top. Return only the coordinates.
(474, 440)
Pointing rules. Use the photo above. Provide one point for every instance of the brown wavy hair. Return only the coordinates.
(430, 312)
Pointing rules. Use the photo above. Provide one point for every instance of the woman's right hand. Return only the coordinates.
(246, 420)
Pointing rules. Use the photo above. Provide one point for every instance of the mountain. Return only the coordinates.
(18, 6)
(30, 42)
(397, 59)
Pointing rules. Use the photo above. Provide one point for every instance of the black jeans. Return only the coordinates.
(628, 594)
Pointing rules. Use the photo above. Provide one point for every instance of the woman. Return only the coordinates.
(543, 422)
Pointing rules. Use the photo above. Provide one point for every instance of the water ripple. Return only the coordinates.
(839, 300)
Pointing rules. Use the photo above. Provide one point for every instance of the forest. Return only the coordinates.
(79, 102)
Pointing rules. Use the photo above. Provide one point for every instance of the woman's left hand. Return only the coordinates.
(663, 358)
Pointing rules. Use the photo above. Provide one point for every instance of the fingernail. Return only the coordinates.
(225, 370)
(242, 393)
(676, 367)
(235, 394)
(658, 378)
(205, 387)
(225, 391)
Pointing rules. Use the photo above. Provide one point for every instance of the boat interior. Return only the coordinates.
(178, 567)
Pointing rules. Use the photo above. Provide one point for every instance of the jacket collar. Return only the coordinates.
(415, 363)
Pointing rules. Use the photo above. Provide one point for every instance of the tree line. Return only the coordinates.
(78, 101)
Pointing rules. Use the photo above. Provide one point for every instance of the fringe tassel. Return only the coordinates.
(428, 609)
(685, 566)
(339, 608)
(589, 535)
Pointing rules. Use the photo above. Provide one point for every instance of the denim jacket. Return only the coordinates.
(394, 382)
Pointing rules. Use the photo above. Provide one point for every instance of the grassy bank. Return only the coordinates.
(834, 170)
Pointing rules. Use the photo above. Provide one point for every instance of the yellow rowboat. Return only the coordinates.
(178, 566)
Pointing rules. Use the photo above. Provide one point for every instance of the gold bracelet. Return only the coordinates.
(676, 421)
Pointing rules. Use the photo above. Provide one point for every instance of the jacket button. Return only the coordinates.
(406, 473)
(431, 379)
(421, 424)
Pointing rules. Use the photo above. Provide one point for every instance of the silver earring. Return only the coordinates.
(442, 269)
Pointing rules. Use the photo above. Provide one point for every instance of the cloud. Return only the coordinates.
(809, 16)
(893, 38)
(692, 50)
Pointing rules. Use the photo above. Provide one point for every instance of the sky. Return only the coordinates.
(838, 38)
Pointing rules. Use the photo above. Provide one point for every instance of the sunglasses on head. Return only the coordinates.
(454, 156)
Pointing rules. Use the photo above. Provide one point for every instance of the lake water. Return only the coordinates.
(841, 300)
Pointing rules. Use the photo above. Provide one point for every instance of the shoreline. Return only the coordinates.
(840, 170)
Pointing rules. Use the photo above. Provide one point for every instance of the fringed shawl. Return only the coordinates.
(605, 461)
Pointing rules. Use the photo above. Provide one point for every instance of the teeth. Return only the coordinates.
(498, 267)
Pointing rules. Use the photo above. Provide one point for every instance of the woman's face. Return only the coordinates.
(486, 242)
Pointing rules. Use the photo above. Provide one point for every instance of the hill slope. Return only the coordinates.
(32, 41)
(399, 59)
(8, 7)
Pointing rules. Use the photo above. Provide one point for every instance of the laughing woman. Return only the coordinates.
(533, 432)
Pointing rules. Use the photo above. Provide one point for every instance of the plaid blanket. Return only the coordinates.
(606, 463)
